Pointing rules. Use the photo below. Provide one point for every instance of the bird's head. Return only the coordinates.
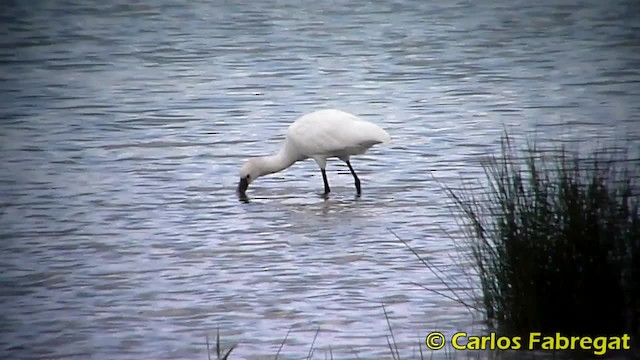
(248, 173)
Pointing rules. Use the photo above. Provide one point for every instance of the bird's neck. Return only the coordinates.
(278, 162)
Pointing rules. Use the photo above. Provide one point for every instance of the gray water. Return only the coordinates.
(124, 125)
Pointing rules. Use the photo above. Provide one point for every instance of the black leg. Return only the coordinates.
(355, 177)
(326, 182)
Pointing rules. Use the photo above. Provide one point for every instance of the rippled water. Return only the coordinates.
(124, 125)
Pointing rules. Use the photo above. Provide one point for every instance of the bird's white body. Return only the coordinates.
(332, 133)
(319, 135)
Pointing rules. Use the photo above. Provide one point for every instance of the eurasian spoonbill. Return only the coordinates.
(318, 135)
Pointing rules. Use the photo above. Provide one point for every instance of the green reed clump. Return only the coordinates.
(556, 241)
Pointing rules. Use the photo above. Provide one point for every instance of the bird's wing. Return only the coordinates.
(333, 132)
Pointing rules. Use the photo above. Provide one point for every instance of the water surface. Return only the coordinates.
(124, 125)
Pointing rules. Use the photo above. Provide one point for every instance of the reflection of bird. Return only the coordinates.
(319, 135)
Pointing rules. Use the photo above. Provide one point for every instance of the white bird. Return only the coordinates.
(318, 135)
